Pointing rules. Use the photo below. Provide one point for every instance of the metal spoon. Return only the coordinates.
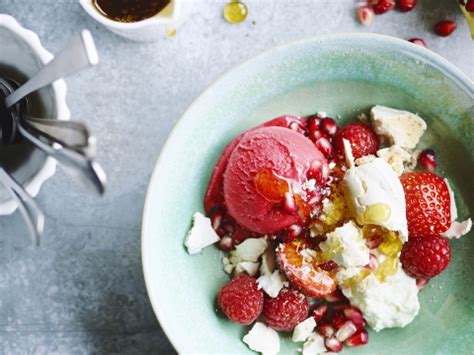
(70, 134)
(80, 52)
(32, 213)
(84, 168)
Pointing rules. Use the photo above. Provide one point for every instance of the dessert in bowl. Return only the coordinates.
(343, 76)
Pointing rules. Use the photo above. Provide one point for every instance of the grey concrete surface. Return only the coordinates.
(83, 290)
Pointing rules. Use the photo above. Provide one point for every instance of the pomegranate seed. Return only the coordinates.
(445, 28)
(319, 172)
(229, 227)
(427, 159)
(366, 15)
(289, 203)
(382, 6)
(320, 311)
(418, 41)
(313, 127)
(334, 345)
(373, 262)
(347, 330)
(359, 338)
(325, 147)
(470, 6)
(292, 233)
(314, 197)
(328, 126)
(226, 243)
(338, 319)
(407, 5)
(325, 329)
(336, 296)
(216, 216)
(421, 283)
(341, 307)
(355, 316)
(328, 266)
(297, 127)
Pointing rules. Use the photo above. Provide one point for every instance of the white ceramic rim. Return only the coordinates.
(62, 111)
(115, 25)
(435, 59)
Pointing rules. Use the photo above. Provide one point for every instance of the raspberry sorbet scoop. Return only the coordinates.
(264, 175)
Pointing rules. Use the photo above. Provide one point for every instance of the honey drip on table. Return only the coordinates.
(235, 12)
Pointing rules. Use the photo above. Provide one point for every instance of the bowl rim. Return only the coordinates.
(439, 62)
(32, 40)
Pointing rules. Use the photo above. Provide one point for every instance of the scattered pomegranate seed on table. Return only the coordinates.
(418, 41)
(407, 5)
(427, 159)
(445, 28)
(382, 6)
(366, 15)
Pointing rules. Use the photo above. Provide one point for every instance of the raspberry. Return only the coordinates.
(425, 257)
(286, 310)
(428, 204)
(363, 139)
(241, 300)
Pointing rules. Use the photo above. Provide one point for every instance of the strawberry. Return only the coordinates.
(427, 203)
(363, 139)
(241, 300)
(286, 310)
(425, 257)
(309, 278)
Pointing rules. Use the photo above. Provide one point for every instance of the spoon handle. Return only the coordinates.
(32, 213)
(71, 134)
(80, 52)
(85, 169)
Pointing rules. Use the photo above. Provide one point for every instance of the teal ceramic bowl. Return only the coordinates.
(343, 75)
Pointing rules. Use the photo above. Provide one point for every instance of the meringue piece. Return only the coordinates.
(228, 266)
(375, 185)
(457, 229)
(402, 128)
(249, 267)
(347, 273)
(201, 234)
(396, 157)
(393, 303)
(314, 345)
(251, 249)
(262, 339)
(348, 153)
(271, 283)
(346, 246)
(303, 330)
(364, 160)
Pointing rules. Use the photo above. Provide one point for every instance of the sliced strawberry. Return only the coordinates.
(309, 278)
(427, 203)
